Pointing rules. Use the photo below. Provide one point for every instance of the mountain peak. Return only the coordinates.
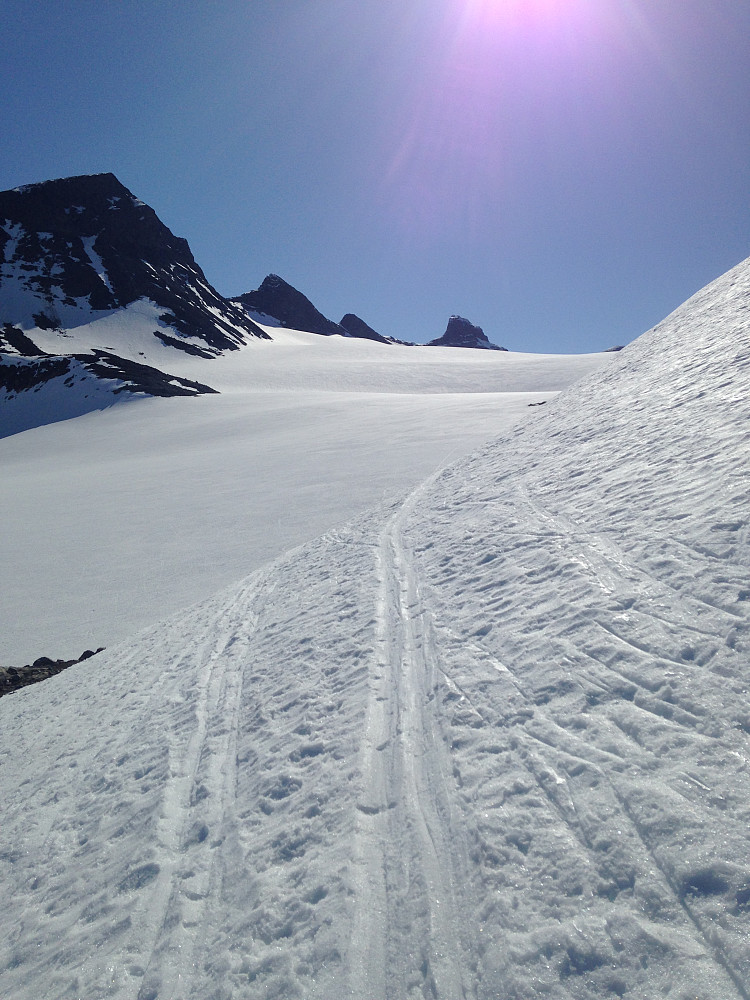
(68, 202)
(85, 265)
(80, 245)
(357, 327)
(282, 301)
(462, 333)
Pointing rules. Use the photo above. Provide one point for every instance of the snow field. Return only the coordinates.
(488, 740)
(206, 832)
(589, 586)
(121, 517)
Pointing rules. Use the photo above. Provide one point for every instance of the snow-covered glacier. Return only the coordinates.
(490, 740)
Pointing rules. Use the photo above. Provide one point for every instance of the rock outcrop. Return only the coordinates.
(79, 246)
(279, 300)
(461, 333)
(13, 678)
(357, 327)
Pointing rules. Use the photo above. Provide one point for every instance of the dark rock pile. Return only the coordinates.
(13, 678)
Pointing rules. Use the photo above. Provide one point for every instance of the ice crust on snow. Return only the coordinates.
(489, 740)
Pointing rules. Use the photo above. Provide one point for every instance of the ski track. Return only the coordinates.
(348, 785)
(490, 742)
(622, 662)
(191, 827)
(410, 935)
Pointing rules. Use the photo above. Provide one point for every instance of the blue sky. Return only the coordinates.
(563, 173)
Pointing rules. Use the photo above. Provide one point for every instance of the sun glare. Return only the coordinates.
(523, 11)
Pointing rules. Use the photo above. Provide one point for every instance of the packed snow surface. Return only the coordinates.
(490, 740)
(120, 517)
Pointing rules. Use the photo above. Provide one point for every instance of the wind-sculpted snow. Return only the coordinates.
(587, 581)
(491, 741)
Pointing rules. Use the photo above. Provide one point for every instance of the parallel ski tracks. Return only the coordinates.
(197, 799)
(412, 926)
(415, 867)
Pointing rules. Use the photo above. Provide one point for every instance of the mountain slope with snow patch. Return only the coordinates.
(86, 268)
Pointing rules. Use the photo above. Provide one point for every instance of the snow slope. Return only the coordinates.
(118, 518)
(489, 741)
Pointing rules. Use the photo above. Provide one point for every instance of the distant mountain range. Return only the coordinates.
(97, 295)
(279, 302)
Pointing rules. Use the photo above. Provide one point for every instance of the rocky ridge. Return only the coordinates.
(278, 300)
(79, 246)
(96, 295)
(356, 327)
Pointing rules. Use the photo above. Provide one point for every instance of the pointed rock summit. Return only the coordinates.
(357, 327)
(461, 333)
(279, 300)
(97, 299)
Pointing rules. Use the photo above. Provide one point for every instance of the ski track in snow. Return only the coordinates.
(409, 936)
(592, 780)
(349, 424)
(491, 741)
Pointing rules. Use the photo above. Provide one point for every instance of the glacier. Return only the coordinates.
(487, 737)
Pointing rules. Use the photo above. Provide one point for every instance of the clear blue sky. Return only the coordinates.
(563, 173)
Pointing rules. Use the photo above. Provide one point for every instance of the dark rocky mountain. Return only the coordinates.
(461, 333)
(97, 296)
(276, 299)
(357, 327)
(279, 300)
(75, 248)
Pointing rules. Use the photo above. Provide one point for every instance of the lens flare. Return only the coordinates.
(507, 89)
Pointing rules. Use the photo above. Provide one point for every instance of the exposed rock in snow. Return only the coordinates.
(461, 333)
(278, 299)
(490, 740)
(14, 678)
